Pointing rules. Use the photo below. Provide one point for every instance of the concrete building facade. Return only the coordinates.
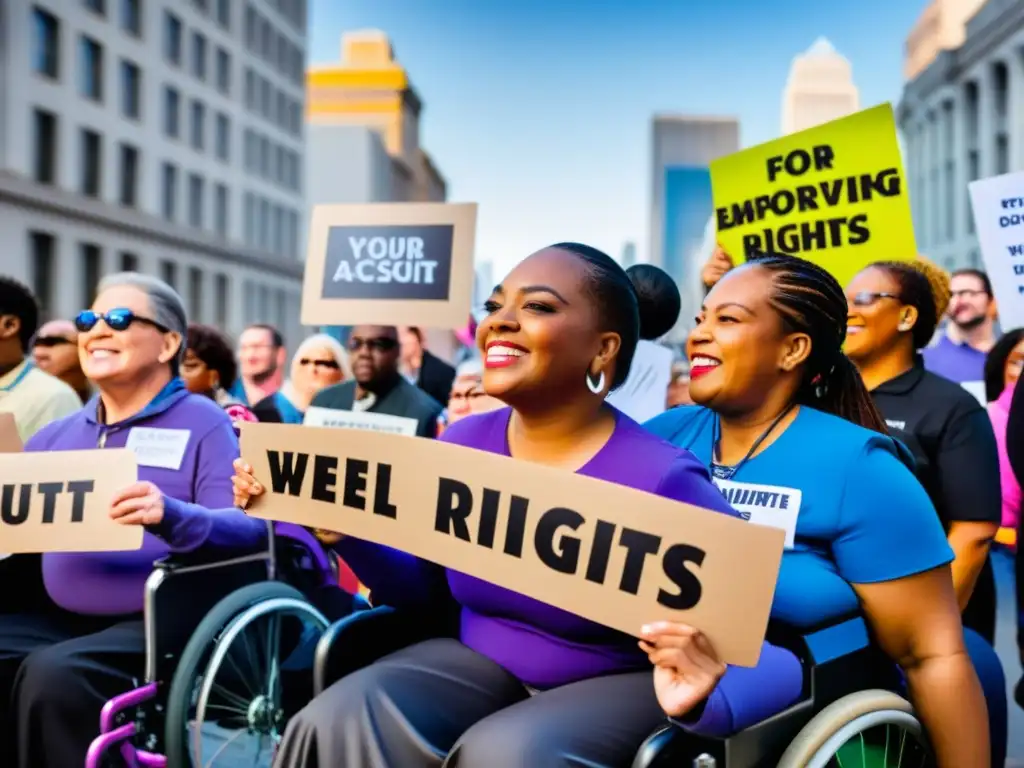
(962, 119)
(162, 136)
(819, 89)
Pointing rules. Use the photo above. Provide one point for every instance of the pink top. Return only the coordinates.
(999, 412)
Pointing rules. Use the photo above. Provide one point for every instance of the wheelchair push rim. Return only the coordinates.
(234, 713)
(868, 729)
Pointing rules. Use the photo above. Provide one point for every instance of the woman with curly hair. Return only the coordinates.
(894, 309)
(209, 368)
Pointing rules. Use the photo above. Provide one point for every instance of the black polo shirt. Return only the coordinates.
(951, 437)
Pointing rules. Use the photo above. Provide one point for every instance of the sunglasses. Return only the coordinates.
(374, 345)
(116, 320)
(867, 298)
(49, 342)
(318, 364)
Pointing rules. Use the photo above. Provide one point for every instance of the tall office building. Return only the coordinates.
(961, 116)
(159, 136)
(819, 89)
(681, 204)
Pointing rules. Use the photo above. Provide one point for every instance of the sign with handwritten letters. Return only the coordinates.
(374, 422)
(608, 553)
(390, 264)
(59, 501)
(835, 195)
(998, 206)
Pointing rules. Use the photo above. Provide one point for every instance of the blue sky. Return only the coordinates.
(540, 111)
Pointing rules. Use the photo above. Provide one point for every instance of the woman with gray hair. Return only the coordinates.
(62, 661)
(319, 362)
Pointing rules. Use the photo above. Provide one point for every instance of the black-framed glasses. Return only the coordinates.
(867, 298)
(48, 342)
(379, 344)
(116, 320)
(330, 365)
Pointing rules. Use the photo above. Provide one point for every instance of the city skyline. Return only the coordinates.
(519, 132)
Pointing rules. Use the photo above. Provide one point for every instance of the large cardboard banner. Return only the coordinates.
(998, 205)
(10, 440)
(835, 195)
(390, 264)
(611, 554)
(59, 501)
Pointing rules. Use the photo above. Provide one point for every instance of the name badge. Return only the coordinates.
(373, 422)
(160, 448)
(771, 505)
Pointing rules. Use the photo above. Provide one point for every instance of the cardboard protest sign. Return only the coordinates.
(59, 501)
(998, 205)
(10, 440)
(390, 264)
(835, 195)
(374, 422)
(611, 554)
(644, 393)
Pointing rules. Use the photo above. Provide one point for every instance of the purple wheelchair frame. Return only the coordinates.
(120, 737)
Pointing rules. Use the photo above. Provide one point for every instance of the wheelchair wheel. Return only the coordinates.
(867, 729)
(247, 668)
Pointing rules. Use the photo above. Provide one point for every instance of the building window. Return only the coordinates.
(249, 236)
(96, 6)
(250, 27)
(91, 64)
(223, 71)
(92, 163)
(224, 13)
(131, 89)
(220, 210)
(195, 200)
(222, 143)
(197, 123)
(131, 17)
(172, 38)
(198, 56)
(92, 266)
(250, 89)
(169, 273)
(129, 175)
(45, 44)
(172, 112)
(45, 132)
(195, 293)
(220, 304)
(129, 262)
(43, 247)
(169, 191)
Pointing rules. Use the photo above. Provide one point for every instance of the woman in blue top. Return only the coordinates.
(793, 440)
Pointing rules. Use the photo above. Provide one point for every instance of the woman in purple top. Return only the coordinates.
(61, 662)
(527, 684)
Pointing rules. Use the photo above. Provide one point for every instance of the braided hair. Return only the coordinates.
(810, 300)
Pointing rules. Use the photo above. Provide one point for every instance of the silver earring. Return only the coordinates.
(597, 388)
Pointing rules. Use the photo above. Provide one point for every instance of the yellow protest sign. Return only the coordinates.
(835, 195)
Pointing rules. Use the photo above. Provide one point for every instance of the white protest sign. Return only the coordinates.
(374, 422)
(998, 205)
(643, 394)
(772, 505)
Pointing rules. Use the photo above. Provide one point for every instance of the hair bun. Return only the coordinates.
(657, 298)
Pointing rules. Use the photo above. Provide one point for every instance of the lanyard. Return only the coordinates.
(728, 473)
(18, 379)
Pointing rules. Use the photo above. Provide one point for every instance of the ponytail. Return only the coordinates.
(841, 392)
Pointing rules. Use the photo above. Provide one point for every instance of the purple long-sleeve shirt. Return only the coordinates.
(111, 583)
(542, 645)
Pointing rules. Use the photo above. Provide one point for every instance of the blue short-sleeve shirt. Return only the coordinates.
(847, 496)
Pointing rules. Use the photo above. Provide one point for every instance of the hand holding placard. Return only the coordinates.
(605, 552)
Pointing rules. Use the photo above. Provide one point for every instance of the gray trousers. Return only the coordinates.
(410, 709)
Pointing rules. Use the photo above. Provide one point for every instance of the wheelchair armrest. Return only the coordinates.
(363, 637)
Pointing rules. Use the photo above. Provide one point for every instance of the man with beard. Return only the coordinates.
(960, 354)
(261, 358)
(378, 385)
(55, 350)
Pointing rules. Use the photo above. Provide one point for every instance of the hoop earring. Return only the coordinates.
(597, 388)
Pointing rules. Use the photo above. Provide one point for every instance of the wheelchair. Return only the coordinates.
(850, 714)
(230, 646)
